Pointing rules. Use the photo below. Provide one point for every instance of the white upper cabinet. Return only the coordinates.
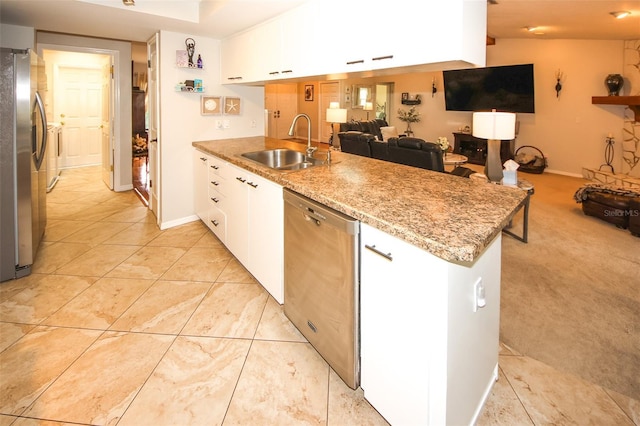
(316, 39)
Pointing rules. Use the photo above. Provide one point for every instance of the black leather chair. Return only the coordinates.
(416, 152)
(355, 142)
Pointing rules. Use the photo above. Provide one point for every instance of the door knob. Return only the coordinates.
(62, 115)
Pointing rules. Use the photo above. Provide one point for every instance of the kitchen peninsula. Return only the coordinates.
(451, 217)
(429, 259)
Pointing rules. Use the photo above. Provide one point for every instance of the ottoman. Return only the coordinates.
(634, 216)
(608, 207)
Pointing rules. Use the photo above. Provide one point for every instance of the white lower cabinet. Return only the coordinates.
(246, 212)
(429, 355)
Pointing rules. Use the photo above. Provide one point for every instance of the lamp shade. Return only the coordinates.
(336, 115)
(334, 104)
(368, 106)
(494, 125)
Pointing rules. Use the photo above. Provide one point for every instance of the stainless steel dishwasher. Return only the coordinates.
(321, 281)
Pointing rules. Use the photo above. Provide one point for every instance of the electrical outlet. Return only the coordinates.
(218, 124)
(226, 124)
(479, 297)
(253, 123)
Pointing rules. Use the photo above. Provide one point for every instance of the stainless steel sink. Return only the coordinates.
(282, 159)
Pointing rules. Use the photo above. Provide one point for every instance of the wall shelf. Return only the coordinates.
(633, 102)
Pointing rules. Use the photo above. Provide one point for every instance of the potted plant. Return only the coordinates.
(410, 116)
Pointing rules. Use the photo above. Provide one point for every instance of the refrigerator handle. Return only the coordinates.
(40, 158)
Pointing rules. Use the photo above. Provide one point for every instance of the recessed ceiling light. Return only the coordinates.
(620, 14)
(129, 2)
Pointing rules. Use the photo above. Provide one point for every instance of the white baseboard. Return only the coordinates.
(560, 172)
(178, 222)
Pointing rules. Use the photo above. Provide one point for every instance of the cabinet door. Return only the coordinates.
(402, 331)
(266, 249)
(200, 184)
(237, 58)
(236, 209)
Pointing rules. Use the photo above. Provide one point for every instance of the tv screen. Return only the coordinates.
(505, 88)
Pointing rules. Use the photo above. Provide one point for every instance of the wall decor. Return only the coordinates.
(308, 92)
(232, 105)
(191, 48)
(182, 58)
(210, 105)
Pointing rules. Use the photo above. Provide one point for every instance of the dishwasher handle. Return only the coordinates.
(310, 218)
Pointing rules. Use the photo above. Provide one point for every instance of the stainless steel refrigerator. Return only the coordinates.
(23, 157)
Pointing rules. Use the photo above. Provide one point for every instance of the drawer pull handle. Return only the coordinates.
(241, 179)
(215, 200)
(380, 58)
(359, 61)
(215, 223)
(215, 183)
(203, 158)
(253, 185)
(376, 251)
(214, 167)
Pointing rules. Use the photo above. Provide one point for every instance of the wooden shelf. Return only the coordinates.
(633, 102)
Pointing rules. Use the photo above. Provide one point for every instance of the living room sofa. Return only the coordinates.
(402, 150)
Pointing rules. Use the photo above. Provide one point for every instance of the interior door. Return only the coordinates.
(281, 102)
(79, 110)
(329, 92)
(105, 126)
(154, 127)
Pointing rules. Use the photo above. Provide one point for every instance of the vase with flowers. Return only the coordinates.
(410, 116)
(444, 145)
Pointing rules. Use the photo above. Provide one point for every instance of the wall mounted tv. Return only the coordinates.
(505, 88)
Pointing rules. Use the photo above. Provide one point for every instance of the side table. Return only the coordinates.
(454, 159)
(529, 189)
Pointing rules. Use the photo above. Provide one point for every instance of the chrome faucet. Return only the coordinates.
(310, 149)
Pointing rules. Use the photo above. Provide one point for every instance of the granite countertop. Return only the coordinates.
(451, 217)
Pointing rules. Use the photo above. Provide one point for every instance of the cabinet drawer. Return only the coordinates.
(216, 166)
(216, 198)
(217, 223)
(217, 184)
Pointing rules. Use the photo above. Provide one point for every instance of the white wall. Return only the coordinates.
(569, 130)
(181, 122)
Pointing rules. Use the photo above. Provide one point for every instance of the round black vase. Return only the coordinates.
(614, 83)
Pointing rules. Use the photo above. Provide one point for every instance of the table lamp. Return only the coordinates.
(335, 114)
(368, 106)
(494, 126)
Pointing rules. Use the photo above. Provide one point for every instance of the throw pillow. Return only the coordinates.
(388, 132)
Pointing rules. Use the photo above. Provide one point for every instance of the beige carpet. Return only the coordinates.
(571, 296)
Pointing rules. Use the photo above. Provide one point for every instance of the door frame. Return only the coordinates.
(115, 116)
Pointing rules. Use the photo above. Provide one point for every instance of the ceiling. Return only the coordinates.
(568, 19)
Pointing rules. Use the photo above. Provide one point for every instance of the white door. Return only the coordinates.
(79, 109)
(329, 92)
(154, 126)
(281, 102)
(105, 126)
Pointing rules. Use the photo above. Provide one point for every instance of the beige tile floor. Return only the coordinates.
(121, 323)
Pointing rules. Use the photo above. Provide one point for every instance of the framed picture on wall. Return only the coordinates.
(232, 106)
(308, 92)
(210, 105)
(405, 96)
